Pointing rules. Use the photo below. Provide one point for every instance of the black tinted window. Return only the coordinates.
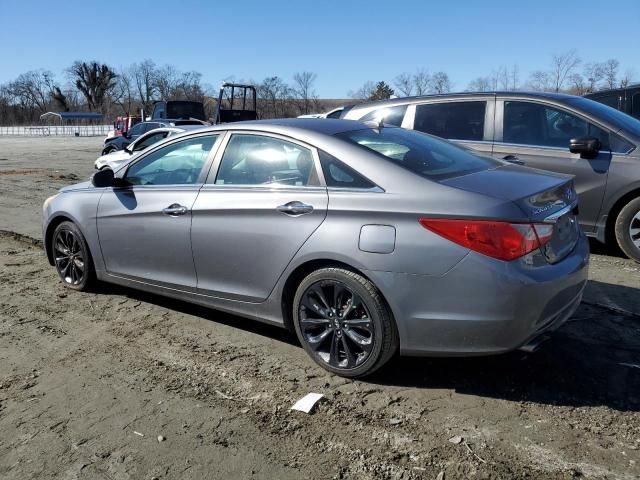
(337, 174)
(391, 115)
(423, 155)
(527, 123)
(635, 107)
(260, 160)
(452, 120)
(335, 114)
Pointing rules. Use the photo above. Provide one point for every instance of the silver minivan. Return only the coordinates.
(562, 133)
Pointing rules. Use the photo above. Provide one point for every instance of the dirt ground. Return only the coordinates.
(89, 381)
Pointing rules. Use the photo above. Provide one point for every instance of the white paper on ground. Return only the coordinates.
(306, 403)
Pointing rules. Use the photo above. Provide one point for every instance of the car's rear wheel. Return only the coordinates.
(343, 322)
(71, 256)
(628, 229)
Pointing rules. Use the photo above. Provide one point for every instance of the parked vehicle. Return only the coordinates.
(335, 113)
(115, 159)
(120, 143)
(364, 240)
(236, 103)
(123, 124)
(626, 100)
(178, 110)
(560, 133)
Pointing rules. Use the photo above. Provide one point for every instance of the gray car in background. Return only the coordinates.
(556, 132)
(364, 240)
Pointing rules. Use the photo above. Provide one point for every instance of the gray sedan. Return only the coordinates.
(365, 239)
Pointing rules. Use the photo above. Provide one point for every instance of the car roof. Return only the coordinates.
(323, 126)
(446, 96)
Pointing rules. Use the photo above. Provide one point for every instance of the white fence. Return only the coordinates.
(62, 130)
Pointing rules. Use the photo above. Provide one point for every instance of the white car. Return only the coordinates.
(115, 159)
(335, 113)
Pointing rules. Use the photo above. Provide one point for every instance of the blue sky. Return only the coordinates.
(345, 42)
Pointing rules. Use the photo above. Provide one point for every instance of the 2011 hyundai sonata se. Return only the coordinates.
(365, 239)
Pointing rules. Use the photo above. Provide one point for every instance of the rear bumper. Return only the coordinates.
(483, 306)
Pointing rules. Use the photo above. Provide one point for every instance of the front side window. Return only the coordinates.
(390, 115)
(452, 120)
(149, 140)
(261, 160)
(528, 123)
(177, 164)
(421, 154)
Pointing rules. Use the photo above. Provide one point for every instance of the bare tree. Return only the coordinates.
(480, 84)
(364, 92)
(627, 78)
(167, 80)
(33, 89)
(422, 82)
(610, 72)
(124, 91)
(304, 92)
(440, 83)
(275, 94)
(144, 76)
(94, 80)
(562, 66)
(404, 84)
(540, 80)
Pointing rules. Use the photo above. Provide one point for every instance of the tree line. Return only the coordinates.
(98, 87)
(566, 72)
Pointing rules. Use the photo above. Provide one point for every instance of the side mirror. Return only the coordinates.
(587, 147)
(105, 178)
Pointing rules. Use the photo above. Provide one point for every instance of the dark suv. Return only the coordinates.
(113, 144)
(597, 144)
(626, 100)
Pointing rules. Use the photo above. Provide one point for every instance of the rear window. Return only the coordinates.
(421, 154)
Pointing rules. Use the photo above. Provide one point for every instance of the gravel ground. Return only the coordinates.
(118, 384)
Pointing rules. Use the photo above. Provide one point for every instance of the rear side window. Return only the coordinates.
(261, 160)
(337, 174)
(392, 115)
(452, 120)
(335, 114)
(421, 154)
(528, 123)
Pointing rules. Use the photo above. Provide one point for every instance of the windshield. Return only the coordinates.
(422, 154)
(609, 114)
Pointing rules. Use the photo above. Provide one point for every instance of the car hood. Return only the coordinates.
(77, 186)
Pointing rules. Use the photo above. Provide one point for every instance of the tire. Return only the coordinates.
(352, 346)
(627, 229)
(72, 257)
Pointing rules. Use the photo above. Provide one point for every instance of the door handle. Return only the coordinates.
(295, 209)
(513, 159)
(174, 210)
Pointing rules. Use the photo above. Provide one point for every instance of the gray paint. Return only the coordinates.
(233, 250)
(377, 238)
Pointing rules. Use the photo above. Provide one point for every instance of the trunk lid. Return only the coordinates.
(544, 197)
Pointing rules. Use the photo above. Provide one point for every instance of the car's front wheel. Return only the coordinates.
(628, 229)
(71, 256)
(343, 322)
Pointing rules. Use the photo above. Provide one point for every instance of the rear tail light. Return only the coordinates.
(502, 240)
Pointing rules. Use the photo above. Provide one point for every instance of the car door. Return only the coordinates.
(469, 123)
(144, 228)
(255, 211)
(537, 134)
